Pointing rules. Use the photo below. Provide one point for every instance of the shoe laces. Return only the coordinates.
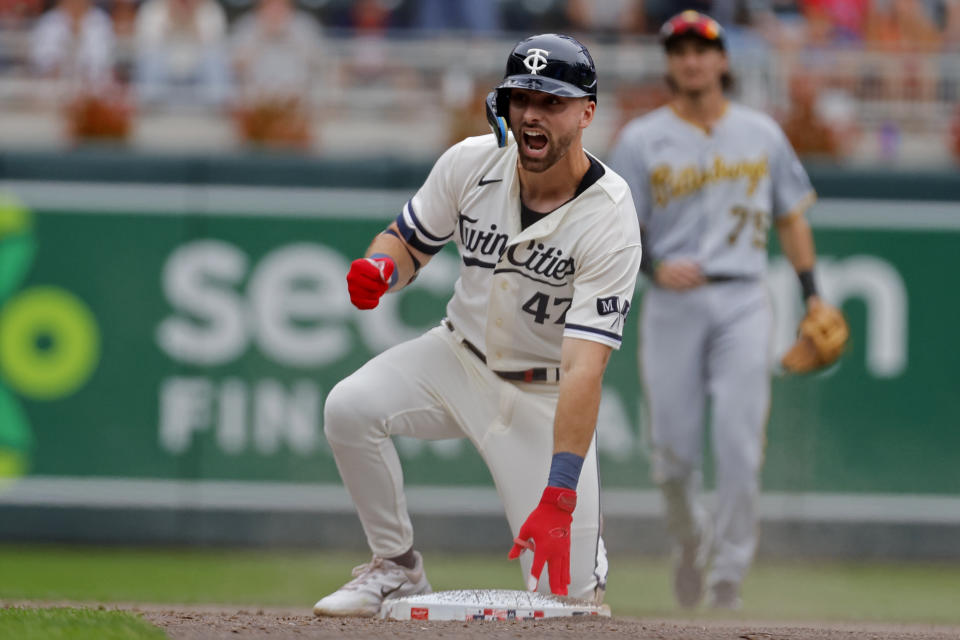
(364, 573)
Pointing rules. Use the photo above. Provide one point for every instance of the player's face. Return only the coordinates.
(695, 66)
(545, 125)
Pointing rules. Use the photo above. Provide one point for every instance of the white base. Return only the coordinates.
(488, 604)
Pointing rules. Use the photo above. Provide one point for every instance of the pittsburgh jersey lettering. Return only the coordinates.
(667, 183)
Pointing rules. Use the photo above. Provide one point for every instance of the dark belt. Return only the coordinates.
(537, 374)
(716, 278)
(727, 277)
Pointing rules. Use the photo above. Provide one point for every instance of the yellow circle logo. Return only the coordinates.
(49, 343)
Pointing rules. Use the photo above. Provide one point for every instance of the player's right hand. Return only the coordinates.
(368, 279)
(679, 275)
(546, 532)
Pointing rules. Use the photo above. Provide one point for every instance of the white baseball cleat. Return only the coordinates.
(372, 583)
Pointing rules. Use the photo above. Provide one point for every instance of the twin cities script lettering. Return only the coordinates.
(484, 248)
(485, 243)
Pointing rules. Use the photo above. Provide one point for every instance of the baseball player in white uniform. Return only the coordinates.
(708, 178)
(550, 248)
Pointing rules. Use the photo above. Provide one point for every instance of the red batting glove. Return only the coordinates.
(368, 279)
(547, 533)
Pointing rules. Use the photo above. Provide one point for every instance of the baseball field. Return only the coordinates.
(93, 592)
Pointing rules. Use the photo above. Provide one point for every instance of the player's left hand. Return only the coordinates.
(821, 340)
(546, 532)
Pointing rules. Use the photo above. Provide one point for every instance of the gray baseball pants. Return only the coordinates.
(705, 354)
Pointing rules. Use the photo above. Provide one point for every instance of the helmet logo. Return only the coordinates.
(536, 60)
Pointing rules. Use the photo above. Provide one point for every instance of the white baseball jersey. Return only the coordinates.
(571, 273)
(710, 198)
(520, 291)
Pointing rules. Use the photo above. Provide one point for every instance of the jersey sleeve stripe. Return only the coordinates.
(600, 332)
(411, 235)
(426, 234)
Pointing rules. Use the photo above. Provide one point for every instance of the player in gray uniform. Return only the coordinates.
(708, 178)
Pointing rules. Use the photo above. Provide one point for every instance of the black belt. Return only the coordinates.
(727, 277)
(537, 374)
(716, 278)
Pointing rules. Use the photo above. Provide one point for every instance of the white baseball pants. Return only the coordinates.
(431, 388)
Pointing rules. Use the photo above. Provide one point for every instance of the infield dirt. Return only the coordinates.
(200, 623)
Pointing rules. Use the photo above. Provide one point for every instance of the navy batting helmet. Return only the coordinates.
(549, 62)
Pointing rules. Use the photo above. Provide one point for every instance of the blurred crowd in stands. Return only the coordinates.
(258, 60)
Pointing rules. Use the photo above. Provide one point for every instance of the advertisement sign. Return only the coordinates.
(192, 333)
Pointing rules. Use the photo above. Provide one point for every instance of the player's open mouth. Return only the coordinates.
(534, 142)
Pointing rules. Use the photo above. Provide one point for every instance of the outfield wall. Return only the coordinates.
(169, 328)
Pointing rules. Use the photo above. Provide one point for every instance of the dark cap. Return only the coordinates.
(695, 24)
